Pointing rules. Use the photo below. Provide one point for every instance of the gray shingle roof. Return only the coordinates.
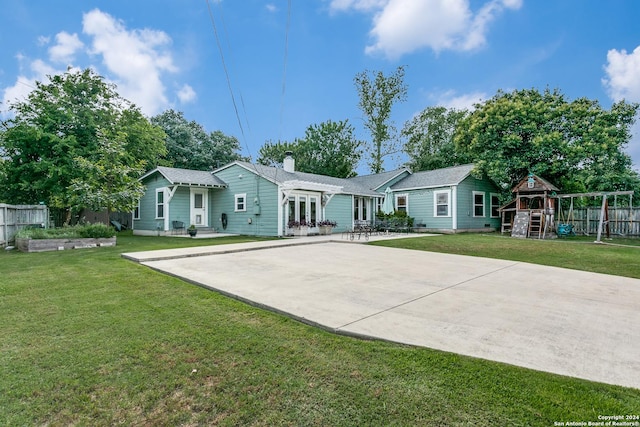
(188, 177)
(279, 176)
(376, 181)
(435, 178)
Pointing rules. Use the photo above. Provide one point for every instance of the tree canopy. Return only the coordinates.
(430, 139)
(377, 93)
(65, 120)
(577, 145)
(189, 146)
(329, 148)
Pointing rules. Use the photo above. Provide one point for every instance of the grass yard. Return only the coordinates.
(620, 257)
(89, 338)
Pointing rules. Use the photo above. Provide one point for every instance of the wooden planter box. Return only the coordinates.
(43, 245)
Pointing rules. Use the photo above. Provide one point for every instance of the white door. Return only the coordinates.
(199, 204)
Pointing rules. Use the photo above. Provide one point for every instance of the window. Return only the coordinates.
(495, 205)
(402, 202)
(478, 203)
(441, 203)
(160, 204)
(360, 209)
(240, 202)
(136, 211)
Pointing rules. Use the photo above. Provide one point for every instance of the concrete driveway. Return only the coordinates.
(551, 319)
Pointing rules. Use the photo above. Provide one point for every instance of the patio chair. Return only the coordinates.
(178, 227)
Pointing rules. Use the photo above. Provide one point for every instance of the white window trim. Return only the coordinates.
(435, 203)
(484, 204)
(136, 211)
(164, 203)
(406, 198)
(244, 202)
(491, 196)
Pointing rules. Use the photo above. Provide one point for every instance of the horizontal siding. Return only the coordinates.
(340, 209)
(466, 220)
(421, 205)
(261, 218)
(148, 219)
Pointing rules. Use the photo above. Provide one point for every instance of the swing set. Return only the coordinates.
(569, 225)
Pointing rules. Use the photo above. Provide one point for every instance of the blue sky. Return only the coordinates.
(164, 54)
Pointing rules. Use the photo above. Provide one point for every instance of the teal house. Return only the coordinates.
(250, 199)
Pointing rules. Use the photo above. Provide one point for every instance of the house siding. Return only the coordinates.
(340, 209)
(421, 208)
(466, 218)
(148, 219)
(258, 219)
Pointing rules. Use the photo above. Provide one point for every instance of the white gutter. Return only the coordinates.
(454, 207)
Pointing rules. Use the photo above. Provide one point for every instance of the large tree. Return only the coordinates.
(429, 139)
(189, 146)
(578, 145)
(377, 94)
(329, 148)
(59, 122)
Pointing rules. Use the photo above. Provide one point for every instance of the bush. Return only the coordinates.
(78, 231)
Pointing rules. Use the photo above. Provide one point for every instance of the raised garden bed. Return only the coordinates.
(43, 245)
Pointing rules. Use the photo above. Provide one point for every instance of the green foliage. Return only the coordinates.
(110, 181)
(576, 145)
(94, 231)
(189, 146)
(329, 148)
(59, 122)
(73, 354)
(377, 93)
(430, 144)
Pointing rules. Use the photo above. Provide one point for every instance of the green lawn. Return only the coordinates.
(620, 257)
(89, 338)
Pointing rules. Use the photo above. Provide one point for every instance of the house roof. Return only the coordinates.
(187, 177)
(377, 181)
(435, 178)
(304, 180)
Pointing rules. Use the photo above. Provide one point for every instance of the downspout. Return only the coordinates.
(454, 207)
(280, 212)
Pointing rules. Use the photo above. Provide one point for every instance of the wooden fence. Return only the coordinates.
(622, 221)
(15, 217)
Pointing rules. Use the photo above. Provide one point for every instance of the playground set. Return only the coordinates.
(538, 211)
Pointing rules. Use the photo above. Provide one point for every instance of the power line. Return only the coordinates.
(284, 67)
(226, 72)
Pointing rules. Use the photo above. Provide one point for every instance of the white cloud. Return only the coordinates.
(39, 70)
(465, 101)
(622, 71)
(137, 58)
(65, 48)
(271, 7)
(404, 26)
(186, 94)
(621, 82)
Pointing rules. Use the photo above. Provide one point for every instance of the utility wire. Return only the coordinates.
(226, 72)
(284, 67)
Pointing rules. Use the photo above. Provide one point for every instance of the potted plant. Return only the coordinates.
(325, 226)
(299, 228)
(192, 230)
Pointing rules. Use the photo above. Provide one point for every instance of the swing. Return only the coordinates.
(565, 228)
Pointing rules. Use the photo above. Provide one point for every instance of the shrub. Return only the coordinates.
(78, 231)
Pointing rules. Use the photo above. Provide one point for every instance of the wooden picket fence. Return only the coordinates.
(15, 217)
(622, 221)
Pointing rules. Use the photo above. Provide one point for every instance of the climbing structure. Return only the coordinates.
(531, 212)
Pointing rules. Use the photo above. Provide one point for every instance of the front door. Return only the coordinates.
(199, 203)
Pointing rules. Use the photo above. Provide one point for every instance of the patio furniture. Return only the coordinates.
(177, 227)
